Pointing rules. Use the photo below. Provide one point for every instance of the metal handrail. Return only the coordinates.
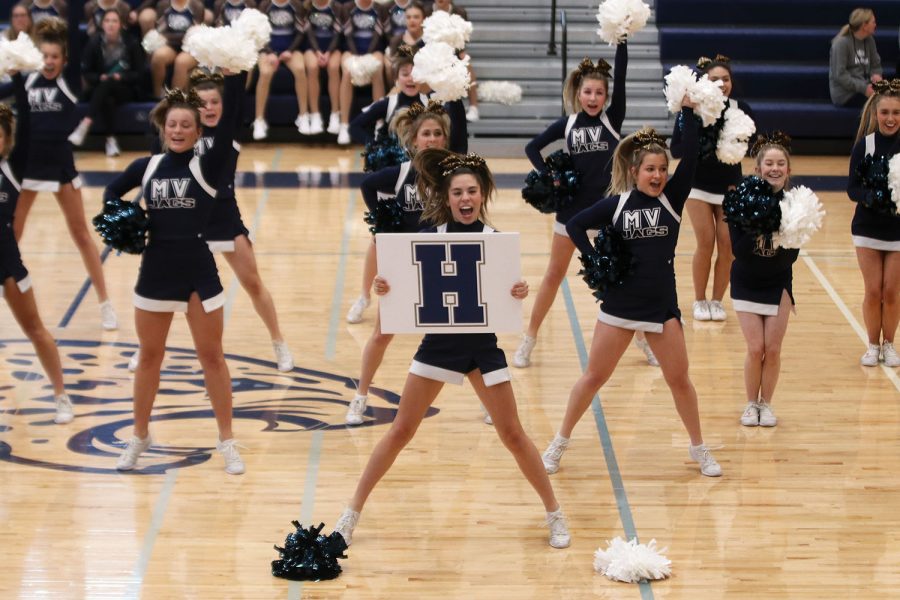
(551, 47)
(565, 51)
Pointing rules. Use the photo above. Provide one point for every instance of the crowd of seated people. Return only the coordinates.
(312, 40)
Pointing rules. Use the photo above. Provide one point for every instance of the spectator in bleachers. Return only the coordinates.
(288, 20)
(226, 11)
(175, 18)
(854, 63)
(321, 50)
(95, 10)
(453, 9)
(146, 15)
(410, 35)
(41, 9)
(396, 26)
(19, 21)
(111, 64)
(364, 24)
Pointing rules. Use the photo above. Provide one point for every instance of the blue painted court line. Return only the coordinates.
(612, 465)
(159, 511)
(337, 297)
(291, 180)
(79, 297)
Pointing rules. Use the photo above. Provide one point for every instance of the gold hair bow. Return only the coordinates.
(704, 62)
(648, 137)
(776, 138)
(406, 51)
(434, 108)
(455, 162)
(887, 86)
(177, 96)
(601, 67)
(199, 76)
(6, 113)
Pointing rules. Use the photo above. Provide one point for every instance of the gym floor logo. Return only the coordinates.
(100, 386)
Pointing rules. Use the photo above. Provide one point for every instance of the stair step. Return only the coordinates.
(550, 68)
(532, 127)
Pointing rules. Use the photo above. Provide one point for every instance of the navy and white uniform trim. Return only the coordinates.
(51, 163)
(870, 229)
(760, 273)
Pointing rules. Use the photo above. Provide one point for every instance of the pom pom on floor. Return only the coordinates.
(553, 187)
(894, 181)
(362, 68)
(735, 136)
(438, 66)
(220, 48)
(20, 54)
(309, 556)
(620, 19)
(441, 26)
(707, 94)
(153, 41)
(255, 26)
(608, 263)
(632, 562)
(801, 217)
(753, 207)
(873, 172)
(123, 226)
(502, 92)
(382, 152)
(386, 218)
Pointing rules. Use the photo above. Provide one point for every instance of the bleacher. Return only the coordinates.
(779, 53)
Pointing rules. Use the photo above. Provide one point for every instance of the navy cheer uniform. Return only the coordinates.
(179, 190)
(50, 159)
(869, 228)
(225, 222)
(11, 169)
(646, 298)
(286, 18)
(323, 32)
(53, 9)
(364, 125)
(228, 11)
(713, 178)
(399, 184)
(590, 141)
(363, 29)
(448, 357)
(397, 19)
(174, 23)
(760, 273)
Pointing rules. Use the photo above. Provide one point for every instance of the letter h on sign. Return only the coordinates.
(450, 283)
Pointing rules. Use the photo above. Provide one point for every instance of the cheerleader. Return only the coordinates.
(876, 235)
(591, 135)
(383, 112)
(287, 19)
(16, 283)
(363, 24)
(419, 128)
(45, 9)
(761, 290)
(457, 190)
(412, 32)
(50, 164)
(226, 11)
(321, 50)
(395, 28)
(712, 180)
(178, 271)
(646, 212)
(174, 18)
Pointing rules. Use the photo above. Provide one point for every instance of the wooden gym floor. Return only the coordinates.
(804, 510)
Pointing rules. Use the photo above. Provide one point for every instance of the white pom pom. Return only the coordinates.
(362, 68)
(801, 217)
(438, 66)
(254, 25)
(220, 48)
(20, 55)
(735, 135)
(443, 27)
(621, 18)
(153, 41)
(632, 562)
(709, 99)
(894, 180)
(679, 80)
(503, 92)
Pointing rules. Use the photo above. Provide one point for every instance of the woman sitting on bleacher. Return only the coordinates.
(19, 21)
(95, 10)
(174, 18)
(112, 64)
(854, 65)
(322, 50)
